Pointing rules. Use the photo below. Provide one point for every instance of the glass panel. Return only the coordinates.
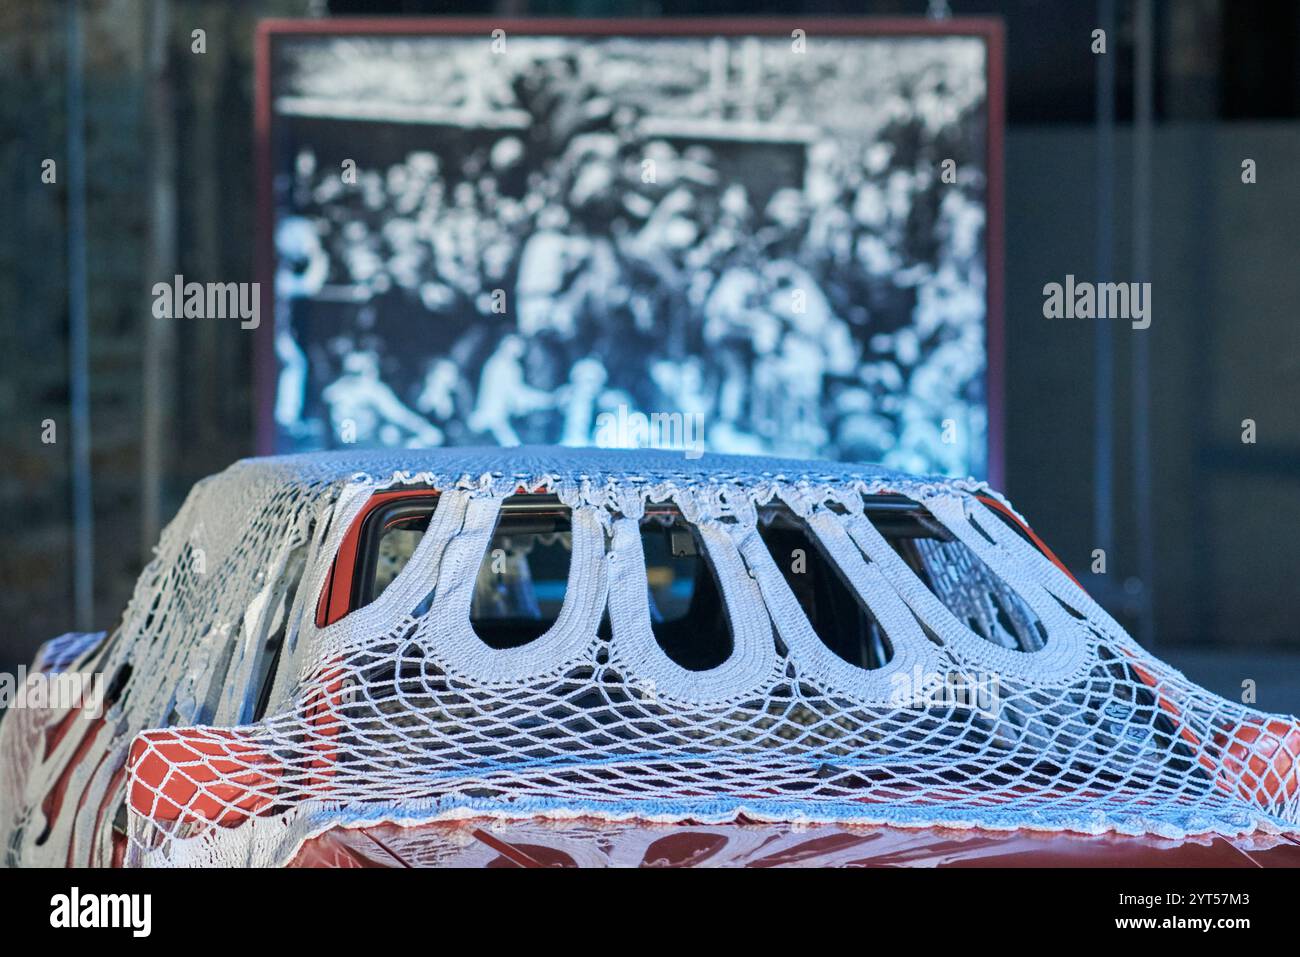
(687, 611)
(833, 608)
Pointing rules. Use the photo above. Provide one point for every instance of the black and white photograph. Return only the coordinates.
(501, 240)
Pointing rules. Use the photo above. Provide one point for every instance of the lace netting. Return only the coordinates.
(399, 712)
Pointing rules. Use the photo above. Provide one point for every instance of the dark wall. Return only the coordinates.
(1223, 348)
(206, 406)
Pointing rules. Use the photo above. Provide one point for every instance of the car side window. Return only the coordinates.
(266, 666)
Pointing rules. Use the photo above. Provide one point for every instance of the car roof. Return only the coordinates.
(533, 466)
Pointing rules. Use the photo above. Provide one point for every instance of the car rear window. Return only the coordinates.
(522, 576)
(837, 614)
(687, 612)
(524, 573)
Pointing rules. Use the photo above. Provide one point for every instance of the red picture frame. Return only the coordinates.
(990, 29)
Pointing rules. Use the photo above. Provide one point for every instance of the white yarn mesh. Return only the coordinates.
(399, 712)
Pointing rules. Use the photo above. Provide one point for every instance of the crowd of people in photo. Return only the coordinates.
(514, 283)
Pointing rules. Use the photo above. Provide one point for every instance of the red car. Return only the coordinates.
(559, 657)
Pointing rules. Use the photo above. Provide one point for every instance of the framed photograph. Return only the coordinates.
(786, 233)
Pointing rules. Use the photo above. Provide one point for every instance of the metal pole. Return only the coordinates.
(156, 377)
(1143, 99)
(1103, 459)
(83, 515)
